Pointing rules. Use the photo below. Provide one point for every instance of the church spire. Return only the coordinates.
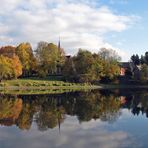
(59, 44)
(61, 50)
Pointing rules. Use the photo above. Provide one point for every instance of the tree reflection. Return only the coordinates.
(49, 111)
(50, 117)
(24, 120)
(9, 110)
(137, 103)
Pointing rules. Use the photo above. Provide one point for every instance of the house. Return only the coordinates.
(129, 69)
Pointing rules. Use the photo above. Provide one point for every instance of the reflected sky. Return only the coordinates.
(72, 134)
(60, 121)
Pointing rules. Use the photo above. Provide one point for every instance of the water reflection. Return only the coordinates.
(49, 111)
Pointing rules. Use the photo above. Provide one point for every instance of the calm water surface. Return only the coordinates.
(94, 119)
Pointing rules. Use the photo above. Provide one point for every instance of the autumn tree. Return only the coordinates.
(110, 62)
(111, 70)
(6, 70)
(10, 67)
(8, 51)
(25, 54)
(92, 67)
(109, 54)
(48, 56)
(10, 64)
(17, 66)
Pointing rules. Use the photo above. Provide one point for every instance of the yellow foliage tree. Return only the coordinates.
(25, 53)
(10, 67)
(17, 66)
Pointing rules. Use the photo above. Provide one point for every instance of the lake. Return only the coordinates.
(96, 119)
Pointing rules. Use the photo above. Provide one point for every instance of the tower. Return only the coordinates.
(59, 44)
(61, 50)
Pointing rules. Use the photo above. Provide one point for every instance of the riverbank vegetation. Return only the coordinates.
(142, 63)
(50, 60)
(24, 67)
(41, 86)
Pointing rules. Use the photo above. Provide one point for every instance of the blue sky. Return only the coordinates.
(88, 24)
(134, 39)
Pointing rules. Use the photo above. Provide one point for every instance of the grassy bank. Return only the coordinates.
(55, 86)
(33, 85)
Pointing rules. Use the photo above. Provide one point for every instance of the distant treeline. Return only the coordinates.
(50, 59)
(142, 62)
(143, 59)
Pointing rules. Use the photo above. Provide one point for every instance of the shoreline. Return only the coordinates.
(101, 86)
(44, 90)
(124, 86)
(42, 86)
(65, 89)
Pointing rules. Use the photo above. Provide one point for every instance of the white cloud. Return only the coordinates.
(78, 23)
(74, 135)
(119, 1)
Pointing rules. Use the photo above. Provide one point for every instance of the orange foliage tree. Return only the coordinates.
(10, 65)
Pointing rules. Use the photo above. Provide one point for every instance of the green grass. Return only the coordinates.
(53, 86)
(41, 85)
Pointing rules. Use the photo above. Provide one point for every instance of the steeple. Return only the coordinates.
(59, 44)
(62, 52)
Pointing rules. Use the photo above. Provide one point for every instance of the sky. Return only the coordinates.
(87, 24)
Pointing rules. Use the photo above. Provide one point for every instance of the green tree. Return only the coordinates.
(95, 71)
(68, 69)
(142, 59)
(146, 58)
(88, 66)
(135, 59)
(144, 72)
(83, 63)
